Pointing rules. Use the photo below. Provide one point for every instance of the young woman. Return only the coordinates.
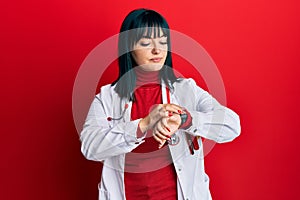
(147, 126)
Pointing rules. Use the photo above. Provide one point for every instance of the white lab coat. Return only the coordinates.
(109, 141)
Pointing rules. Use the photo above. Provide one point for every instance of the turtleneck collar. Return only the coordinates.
(146, 77)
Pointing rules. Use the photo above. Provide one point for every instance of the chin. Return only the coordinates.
(151, 67)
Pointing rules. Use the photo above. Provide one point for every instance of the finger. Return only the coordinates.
(162, 136)
(161, 129)
(158, 111)
(175, 118)
(163, 113)
(156, 114)
(157, 132)
(157, 138)
(161, 145)
(167, 111)
(156, 107)
(164, 123)
(173, 108)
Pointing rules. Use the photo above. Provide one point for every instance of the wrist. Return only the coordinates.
(144, 124)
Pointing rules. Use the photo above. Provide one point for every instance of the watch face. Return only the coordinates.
(183, 118)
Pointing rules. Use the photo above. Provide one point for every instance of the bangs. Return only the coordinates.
(151, 24)
(150, 31)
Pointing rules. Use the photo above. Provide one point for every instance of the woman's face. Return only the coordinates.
(150, 53)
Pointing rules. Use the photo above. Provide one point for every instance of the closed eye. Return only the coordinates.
(144, 44)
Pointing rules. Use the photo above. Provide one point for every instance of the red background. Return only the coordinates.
(255, 45)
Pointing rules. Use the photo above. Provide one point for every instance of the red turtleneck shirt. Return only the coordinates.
(149, 171)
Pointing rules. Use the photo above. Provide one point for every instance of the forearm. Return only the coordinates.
(221, 124)
(102, 138)
(210, 119)
(99, 143)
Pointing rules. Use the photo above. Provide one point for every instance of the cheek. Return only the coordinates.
(164, 51)
(139, 56)
(136, 58)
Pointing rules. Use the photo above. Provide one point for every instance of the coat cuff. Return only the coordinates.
(133, 134)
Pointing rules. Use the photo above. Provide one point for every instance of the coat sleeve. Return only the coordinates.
(210, 119)
(101, 139)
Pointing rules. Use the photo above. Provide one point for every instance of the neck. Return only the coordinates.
(146, 77)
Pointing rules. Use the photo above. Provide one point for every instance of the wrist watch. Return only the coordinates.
(183, 117)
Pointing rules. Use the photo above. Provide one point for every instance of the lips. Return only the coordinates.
(156, 60)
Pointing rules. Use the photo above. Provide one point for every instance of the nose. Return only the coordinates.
(155, 49)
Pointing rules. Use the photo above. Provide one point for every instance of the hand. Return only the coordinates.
(157, 113)
(165, 128)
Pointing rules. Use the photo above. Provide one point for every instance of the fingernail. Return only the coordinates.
(179, 111)
(168, 129)
(168, 136)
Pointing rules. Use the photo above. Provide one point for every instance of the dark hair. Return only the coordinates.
(139, 23)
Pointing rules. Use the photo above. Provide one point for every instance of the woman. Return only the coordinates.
(145, 129)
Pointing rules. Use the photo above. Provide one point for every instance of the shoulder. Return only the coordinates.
(188, 86)
(185, 83)
(107, 88)
(106, 91)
